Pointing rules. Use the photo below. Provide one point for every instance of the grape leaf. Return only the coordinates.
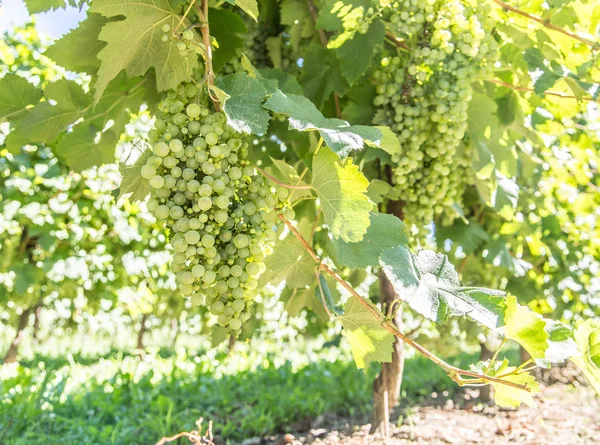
(133, 185)
(526, 328)
(342, 191)
(369, 341)
(37, 6)
(587, 336)
(338, 135)
(286, 82)
(324, 295)
(78, 50)
(388, 141)
(81, 150)
(321, 75)
(16, 93)
(469, 237)
(292, 263)
(224, 27)
(250, 7)
(45, 121)
(353, 67)
(243, 103)
(506, 193)
(561, 344)
(385, 231)
(135, 43)
(429, 284)
(509, 397)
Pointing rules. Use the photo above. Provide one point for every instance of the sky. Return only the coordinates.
(52, 23)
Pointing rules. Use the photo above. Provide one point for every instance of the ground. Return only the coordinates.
(566, 415)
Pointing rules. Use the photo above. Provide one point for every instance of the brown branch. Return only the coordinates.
(546, 93)
(396, 41)
(324, 41)
(205, 29)
(453, 372)
(546, 23)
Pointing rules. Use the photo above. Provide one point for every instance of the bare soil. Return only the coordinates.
(567, 414)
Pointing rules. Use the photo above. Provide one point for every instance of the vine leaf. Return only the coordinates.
(353, 67)
(36, 6)
(509, 397)
(342, 191)
(469, 237)
(429, 283)
(135, 44)
(242, 102)
(369, 341)
(385, 231)
(561, 344)
(45, 121)
(587, 336)
(526, 328)
(338, 134)
(250, 7)
(78, 50)
(321, 75)
(16, 94)
(225, 27)
(133, 185)
(292, 263)
(81, 149)
(326, 297)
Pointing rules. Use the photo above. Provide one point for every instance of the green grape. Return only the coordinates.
(214, 203)
(424, 95)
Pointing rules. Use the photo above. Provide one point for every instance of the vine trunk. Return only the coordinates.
(13, 349)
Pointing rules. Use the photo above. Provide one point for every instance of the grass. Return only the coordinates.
(124, 399)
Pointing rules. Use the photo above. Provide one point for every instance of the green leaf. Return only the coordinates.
(135, 43)
(16, 94)
(509, 397)
(133, 185)
(469, 237)
(250, 7)
(526, 328)
(342, 191)
(561, 344)
(45, 121)
(78, 50)
(81, 150)
(482, 115)
(292, 263)
(388, 141)
(385, 231)
(37, 6)
(356, 54)
(369, 341)
(321, 75)
(287, 83)
(243, 106)
(338, 135)
(587, 336)
(323, 294)
(359, 108)
(429, 284)
(224, 27)
(26, 275)
(508, 108)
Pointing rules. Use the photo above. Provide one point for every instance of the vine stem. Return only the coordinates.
(187, 11)
(282, 184)
(453, 372)
(546, 93)
(546, 23)
(396, 41)
(205, 29)
(324, 41)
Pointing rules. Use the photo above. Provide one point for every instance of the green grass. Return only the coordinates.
(122, 399)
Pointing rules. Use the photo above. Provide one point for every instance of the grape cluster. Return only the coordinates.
(214, 203)
(186, 41)
(424, 95)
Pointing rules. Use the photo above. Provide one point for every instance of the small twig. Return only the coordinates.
(545, 93)
(546, 23)
(282, 184)
(495, 356)
(462, 265)
(453, 372)
(187, 11)
(396, 41)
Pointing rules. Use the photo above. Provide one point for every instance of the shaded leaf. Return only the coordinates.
(16, 94)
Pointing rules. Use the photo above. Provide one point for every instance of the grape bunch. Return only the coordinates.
(186, 41)
(215, 204)
(423, 95)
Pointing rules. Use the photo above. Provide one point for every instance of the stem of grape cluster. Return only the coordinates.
(453, 372)
(280, 183)
(205, 30)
